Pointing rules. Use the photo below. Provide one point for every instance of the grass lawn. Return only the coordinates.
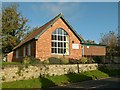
(50, 81)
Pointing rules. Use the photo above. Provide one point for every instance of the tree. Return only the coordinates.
(110, 40)
(13, 27)
(90, 42)
(31, 31)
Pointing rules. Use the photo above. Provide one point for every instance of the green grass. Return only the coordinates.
(109, 72)
(49, 81)
(96, 74)
(10, 63)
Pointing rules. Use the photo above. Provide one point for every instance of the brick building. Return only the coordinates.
(56, 38)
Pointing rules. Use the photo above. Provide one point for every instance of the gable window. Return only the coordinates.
(29, 49)
(24, 51)
(60, 42)
(17, 53)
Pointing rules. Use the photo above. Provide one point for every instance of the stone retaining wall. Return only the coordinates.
(16, 73)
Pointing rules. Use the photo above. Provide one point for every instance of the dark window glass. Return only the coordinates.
(60, 31)
(65, 33)
(60, 38)
(64, 44)
(64, 51)
(60, 50)
(54, 37)
(64, 38)
(60, 44)
(54, 50)
(57, 31)
(54, 44)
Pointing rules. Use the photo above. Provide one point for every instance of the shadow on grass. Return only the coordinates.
(110, 72)
(45, 82)
(73, 77)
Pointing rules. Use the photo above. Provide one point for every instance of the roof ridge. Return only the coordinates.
(39, 30)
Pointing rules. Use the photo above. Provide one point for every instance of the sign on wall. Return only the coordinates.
(75, 46)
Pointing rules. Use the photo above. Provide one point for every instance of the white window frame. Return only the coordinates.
(17, 53)
(24, 51)
(57, 41)
(29, 49)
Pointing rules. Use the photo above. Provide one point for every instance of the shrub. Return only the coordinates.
(54, 60)
(84, 60)
(26, 60)
(64, 60)
(46, 62)
(74, 61)
(35, 61)
(90, 60)
(98, 59)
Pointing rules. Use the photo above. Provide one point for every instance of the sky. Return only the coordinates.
(89, 19)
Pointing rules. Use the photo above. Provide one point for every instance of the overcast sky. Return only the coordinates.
(88, 18)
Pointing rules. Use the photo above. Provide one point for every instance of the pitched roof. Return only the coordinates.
(38, 32)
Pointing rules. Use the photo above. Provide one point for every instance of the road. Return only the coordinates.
(108, 83)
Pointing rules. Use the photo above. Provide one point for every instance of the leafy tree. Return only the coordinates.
(31, 31)
(90, 41)
(13, 27)
(110, 40)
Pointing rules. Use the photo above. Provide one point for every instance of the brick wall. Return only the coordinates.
(94, 51)
(9, 57)
(43, 45)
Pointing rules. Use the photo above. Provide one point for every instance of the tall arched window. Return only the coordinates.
(60, 42)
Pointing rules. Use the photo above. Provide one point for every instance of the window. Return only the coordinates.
(24, 51)
(29, 49)
(60, 42)
(17, 53)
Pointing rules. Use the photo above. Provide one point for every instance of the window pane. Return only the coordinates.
(65, 33)
(60, 38)
(65, 44)
(64, 38)
(53, 44)
(57, 31)
(60, 50)
(54, 50)
(60, 44)
(29, 49)
(54, 37)
(60, 31)
(64, 51)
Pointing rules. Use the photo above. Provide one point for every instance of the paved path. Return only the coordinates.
(112, 82)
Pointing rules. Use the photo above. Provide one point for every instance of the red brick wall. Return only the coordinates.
(43, 45)
(94, 50)
(9, 57)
